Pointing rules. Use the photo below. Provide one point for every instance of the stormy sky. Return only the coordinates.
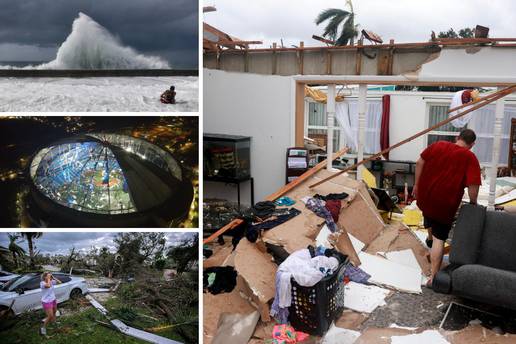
(62, 242)
(32, 30)
(402, 20)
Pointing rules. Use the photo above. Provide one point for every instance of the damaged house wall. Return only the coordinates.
(256, 106)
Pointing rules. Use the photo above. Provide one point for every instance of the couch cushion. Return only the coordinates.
(498, 245)
(485, 284)
(467, 235)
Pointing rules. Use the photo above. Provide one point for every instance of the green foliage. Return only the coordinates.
(128, 291)
(339, 21)
(463, 33)
(185, 254)
(160, 264)
(135, 248)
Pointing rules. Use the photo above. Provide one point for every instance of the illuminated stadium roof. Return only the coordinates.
(107, 174)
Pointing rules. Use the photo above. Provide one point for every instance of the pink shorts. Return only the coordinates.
(49, 305)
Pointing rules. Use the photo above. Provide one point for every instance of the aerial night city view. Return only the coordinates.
(90, 171)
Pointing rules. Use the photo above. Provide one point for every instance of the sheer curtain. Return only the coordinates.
(483, 124)
(347, 117)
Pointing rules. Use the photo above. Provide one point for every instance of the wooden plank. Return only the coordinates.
(301, 58)
(237, 222)
(382, 67)
(328, 62)
(299, 120)
(500, 94)
(274, 59)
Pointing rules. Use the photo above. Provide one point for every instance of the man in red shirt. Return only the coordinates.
(442, 172)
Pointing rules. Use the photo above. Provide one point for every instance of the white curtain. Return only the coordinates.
(483, 124)
(346, 113)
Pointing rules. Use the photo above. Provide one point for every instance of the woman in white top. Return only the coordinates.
(48, 299)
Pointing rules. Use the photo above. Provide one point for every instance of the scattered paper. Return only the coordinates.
(364, 298)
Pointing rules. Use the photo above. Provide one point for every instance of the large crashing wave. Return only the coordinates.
(91, 46)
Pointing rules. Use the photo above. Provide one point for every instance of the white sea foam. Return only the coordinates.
(91, 46)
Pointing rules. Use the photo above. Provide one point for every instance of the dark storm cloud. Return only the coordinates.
(62, 242)
(166, 26)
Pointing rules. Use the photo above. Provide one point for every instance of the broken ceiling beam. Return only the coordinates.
(324, 40)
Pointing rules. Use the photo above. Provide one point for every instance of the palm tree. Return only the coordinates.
(30, 236)
(15, 249)
(336, 18)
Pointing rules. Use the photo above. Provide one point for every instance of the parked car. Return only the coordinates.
(25, 291)
(6, 276)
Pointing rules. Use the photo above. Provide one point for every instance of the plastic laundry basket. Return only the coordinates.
(313, 309)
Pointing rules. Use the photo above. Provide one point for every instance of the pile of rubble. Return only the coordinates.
(396, 260)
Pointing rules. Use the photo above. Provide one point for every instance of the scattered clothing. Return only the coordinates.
(285, 201)
(223, 282)
(355, 274)
(211, 278)
(306, 271)
(332, 196)
(333, 206)
(207, 253)
(263, 210)
(278, 253)
(318, 207)
(253, 231)
(284, 334)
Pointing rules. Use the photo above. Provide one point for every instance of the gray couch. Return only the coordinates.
(482, 259)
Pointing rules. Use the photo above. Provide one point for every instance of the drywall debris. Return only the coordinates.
(235, 328)
(337, 335)
(387, 273)
(364, 298)
(404, 257)
(357, 244)
(256, 275)
(215, 305)
(426, 337)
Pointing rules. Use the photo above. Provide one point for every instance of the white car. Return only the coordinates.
(6, 276)
(26, 292)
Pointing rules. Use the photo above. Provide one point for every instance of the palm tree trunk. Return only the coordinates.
(31, 252)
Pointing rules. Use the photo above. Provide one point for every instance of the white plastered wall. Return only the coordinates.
(259, 106)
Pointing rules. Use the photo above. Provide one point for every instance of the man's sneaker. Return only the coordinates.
(43, 331)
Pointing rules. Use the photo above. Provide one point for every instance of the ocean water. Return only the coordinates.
(119, 94)
(91, 46)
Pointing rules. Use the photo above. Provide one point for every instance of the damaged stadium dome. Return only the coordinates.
(107, 180)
